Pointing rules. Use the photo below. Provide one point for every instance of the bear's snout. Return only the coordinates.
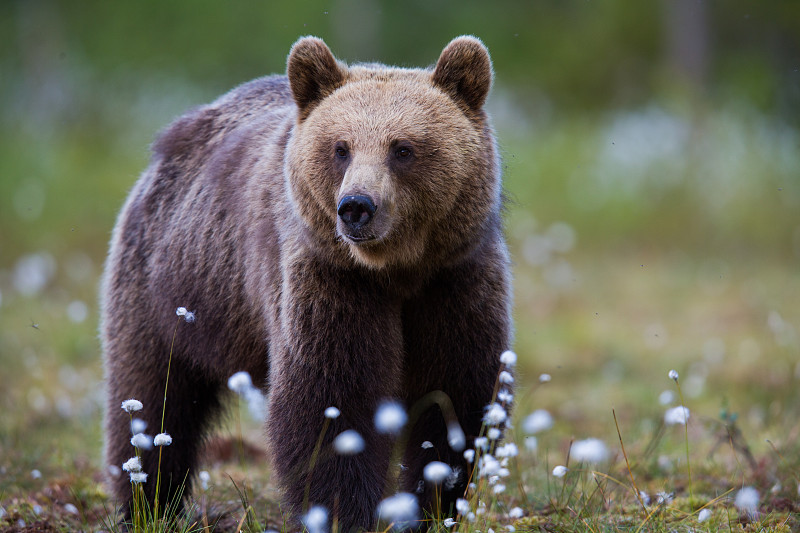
(356, 212)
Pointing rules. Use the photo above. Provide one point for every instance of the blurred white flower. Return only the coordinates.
(455, 436)
(544, 378)
(495, 414)
(138, 477)
(426, 445)
(448, 522)
(436, 471)
(589, 451)
(531, 444)
(37, 509)
(493, 434)
(481, 443)
(390, 418)
(138, 426)
(539, 420)
(205, 477)
(676, 415)
(516, 512)
(505, 377)
(673, 375)
(189, 316)
(348, 442)
(663, 497)
(132, 405)
(488, 466)
(469, 455)
(400, 509)
(462, 506)
(134, 464)
(666, 397)
(142, 441)
(70, 508)
(240, 382)
(703, 515)
(332, 412)
(181, 311)
(505, 396)
(644, 497)
(316, 519)
(162, 439)
(508, 449)
(747, 501)
(497, 489)
(508, 358)
(560, 471)
(36, 474)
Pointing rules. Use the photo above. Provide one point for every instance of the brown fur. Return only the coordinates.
(236, 218)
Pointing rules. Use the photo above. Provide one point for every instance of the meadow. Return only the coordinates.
(654, 236)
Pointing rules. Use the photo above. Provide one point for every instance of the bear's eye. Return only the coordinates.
(403, 152)
(341, 152)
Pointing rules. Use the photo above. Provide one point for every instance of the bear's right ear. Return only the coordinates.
(313, 73)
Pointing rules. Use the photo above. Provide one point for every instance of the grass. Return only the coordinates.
(685, 262)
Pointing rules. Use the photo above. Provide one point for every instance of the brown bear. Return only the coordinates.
(337, 232)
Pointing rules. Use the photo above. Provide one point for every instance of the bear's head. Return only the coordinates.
(394, 166)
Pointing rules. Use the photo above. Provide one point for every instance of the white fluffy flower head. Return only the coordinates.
(506, 377)
(240, 383)
(560, 471)
(676, 415)
(132, 465)
(436, 471)
(589, 451)
(400, 509)
(495, 415)
(673, 375)
(747, 501)
(316, 519)
(703, 515)
(332, 412)
(142, 441)
(544, 378)
(162, 439)
(539, 420)
(138, 477)
(129, 406)
(390, 418)
(508, 358)
(348, 442)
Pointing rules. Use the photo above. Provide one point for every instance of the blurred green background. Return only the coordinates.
(652, 158)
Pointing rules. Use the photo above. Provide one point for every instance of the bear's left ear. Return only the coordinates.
(313, 73)
(464, 71)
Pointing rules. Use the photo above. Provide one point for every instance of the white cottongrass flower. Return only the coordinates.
(181, 311)
(132, 405)
(37, 509)
(138, 426)
(560, 471)
(747, 501)
(400, 509)
(448, 522)
(142, 441)
(644, 497)
(187, 315)
(240, 382)
(436, 472)
(676, 415)
(205, 477)
(544, 378)
(482, 443)
(510, 528)
(316, 519)
(589, 451)
(70, 508)
(332, 412)
(505, 396)
(495, 414)
(673, 375)
(493, 434)
(114, 470)
(469, 455)
(531, 444)
(36, 474)
(497, 489)
(162, 439)
(509, 449)
(488, 466)
(506, 377)
(348, 442)
(3, 512)
(455, 436)
(462, 506)
(508, 358)
(703, 515)
(390, 418)
(134, 464)
(516, 512)
(666, 397)
(539, 420)
(665, 498)
(426, 445)
(471, 517)
(138, 477)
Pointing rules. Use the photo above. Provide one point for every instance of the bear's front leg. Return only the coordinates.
(455, 332)
(338, 344)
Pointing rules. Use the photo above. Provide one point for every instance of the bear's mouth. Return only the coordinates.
(358, 239)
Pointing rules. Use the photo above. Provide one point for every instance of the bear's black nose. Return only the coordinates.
(356, 211)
